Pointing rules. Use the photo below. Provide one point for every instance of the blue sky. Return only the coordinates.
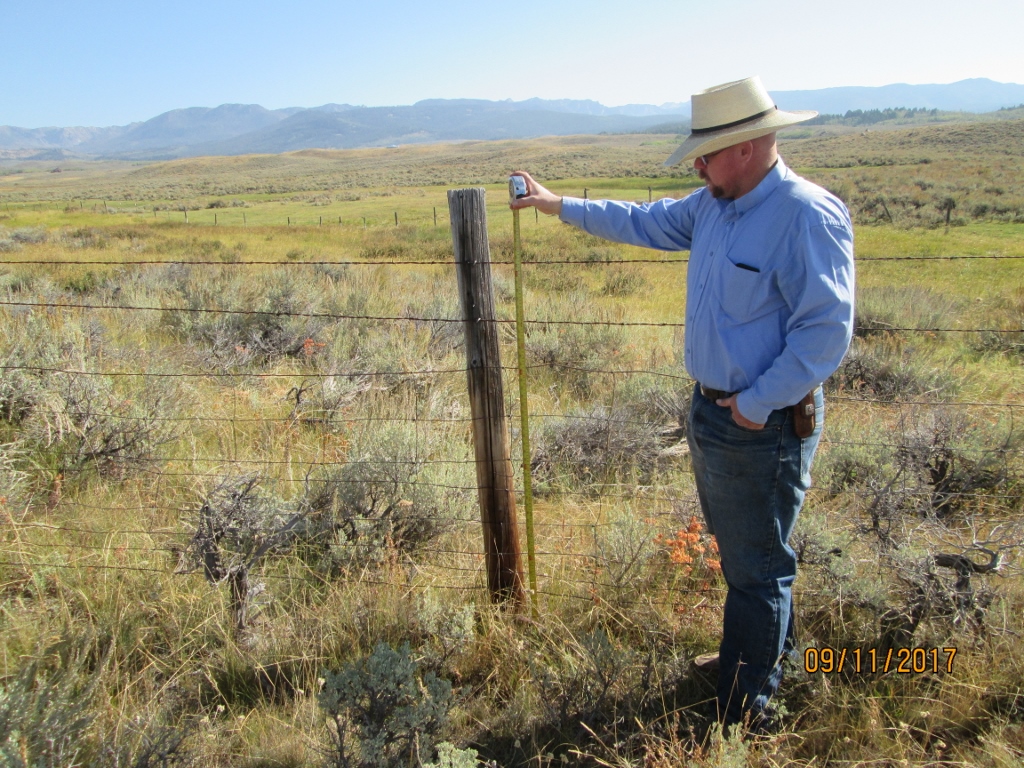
(113, 62)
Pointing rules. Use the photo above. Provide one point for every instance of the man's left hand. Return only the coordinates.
(730, 403)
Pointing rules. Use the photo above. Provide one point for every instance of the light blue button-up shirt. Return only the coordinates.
(769, 288)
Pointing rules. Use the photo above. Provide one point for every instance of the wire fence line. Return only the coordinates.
(46, 528)
(479, 572)
(665, 506)
(452, 320)
(344, 374)
(594, 262)
(608, 419)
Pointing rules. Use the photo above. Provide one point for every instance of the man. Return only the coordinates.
(769, 316)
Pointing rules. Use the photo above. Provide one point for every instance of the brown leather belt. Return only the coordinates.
(715, 394)
(804, 421)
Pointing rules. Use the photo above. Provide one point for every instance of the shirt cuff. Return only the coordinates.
(573, 211)
(750, 409)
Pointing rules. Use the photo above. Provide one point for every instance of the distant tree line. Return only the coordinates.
(674, 126)
(872, 116)
(852, 117)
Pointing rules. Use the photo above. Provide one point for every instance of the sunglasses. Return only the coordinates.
(705, 159)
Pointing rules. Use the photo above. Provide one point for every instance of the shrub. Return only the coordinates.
(81, 422)
(625, 281)
(36, 345)
(879, 310)
(397, 492)
(29, 235)
(578, 353)
(593, 446)
(384, 712)
(441, 307)
(235, 521)
(846, 466)
(44, 710)
(587, 684)
(72, 421)
(263, 320)
(952, 460)
(1004, 323)
(323, 402)
(447, 630)
(625, 548)
(235, 527)
(13, 485)
(84, 238)
(661, 397)
(887, 374)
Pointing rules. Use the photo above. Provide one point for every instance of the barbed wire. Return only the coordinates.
(324, 416)
(413, 319)
(596, 493)
(440, 262)
(664, 493)
(241, 374)
(366, 581)
(681, 586)
(309, 464)
(350, 375)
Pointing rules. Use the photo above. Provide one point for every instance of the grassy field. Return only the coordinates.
(239, 509)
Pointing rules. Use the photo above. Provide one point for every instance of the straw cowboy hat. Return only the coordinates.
(732, 113)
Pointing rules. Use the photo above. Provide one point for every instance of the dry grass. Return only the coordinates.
(95, 553)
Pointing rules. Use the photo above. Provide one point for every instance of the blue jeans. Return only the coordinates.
(751, 485)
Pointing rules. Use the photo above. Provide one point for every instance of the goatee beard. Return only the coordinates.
(716, 191)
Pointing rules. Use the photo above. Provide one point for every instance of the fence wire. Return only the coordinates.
(31, 545)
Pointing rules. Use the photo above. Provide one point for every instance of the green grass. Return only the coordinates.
(600, 676)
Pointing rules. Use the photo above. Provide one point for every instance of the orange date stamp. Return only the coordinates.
(902, 661)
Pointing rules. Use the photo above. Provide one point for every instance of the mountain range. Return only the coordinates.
(237, 129)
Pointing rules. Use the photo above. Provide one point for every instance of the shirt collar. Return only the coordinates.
(759, 193)
(733, 209)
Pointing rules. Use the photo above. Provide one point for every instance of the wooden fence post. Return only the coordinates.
(495, 480)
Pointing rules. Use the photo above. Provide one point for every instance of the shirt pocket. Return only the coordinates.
(744, 294)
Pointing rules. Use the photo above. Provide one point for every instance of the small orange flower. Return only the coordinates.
(689, 546)
(309, 347)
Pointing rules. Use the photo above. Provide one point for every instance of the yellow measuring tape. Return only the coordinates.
(523, 404)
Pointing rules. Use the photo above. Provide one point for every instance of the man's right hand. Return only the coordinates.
(544, 200)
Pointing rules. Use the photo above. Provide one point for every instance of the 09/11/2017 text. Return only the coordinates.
(858, 661)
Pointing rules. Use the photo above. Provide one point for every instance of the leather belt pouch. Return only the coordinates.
(803, 416)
